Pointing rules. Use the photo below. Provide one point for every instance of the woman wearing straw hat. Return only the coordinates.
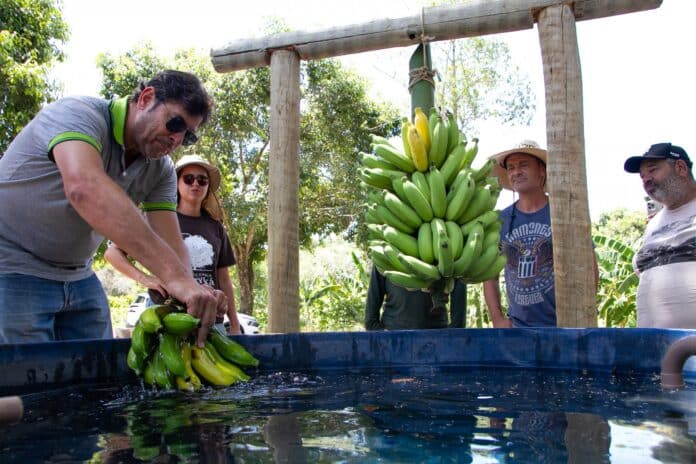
(200, 220)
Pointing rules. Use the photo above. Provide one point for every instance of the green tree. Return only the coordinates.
(31, 33)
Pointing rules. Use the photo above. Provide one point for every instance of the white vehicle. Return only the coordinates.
(248, 324)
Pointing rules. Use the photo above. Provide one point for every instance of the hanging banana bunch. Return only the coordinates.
(162, 352)
(430, 215)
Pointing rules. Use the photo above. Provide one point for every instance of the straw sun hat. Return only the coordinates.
(211, 203)
(527, 147)
(213, 171)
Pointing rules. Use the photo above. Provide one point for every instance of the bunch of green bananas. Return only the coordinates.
(430, 216)
(162, 352)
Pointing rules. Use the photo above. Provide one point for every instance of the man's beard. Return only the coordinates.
(668, 189)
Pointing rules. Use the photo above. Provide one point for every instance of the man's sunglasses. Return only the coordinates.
(178, 124)
(201, 179)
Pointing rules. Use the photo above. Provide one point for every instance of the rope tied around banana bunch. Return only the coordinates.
(424, 73)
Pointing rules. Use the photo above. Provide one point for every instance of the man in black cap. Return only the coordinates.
(666, 262)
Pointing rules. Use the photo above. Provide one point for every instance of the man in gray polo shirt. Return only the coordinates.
(76, 174)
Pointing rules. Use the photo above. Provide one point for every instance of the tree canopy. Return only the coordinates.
(31, 33)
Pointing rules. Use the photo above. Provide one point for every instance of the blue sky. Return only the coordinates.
(637, 72)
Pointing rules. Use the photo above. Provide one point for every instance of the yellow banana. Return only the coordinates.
(419, 154)
(223, 364)
(405, 124)
(190, 374)
(420, 122)
(206, 368)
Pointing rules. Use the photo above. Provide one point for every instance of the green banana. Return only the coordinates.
(493, 270)
(425, 243)
(438, 145)
(483, 262)
(417, 201)
(450, 167)
(160, 373)
(392, 255)
(141, 341)
(471, 151)
(407, 281)
(379, 178)
(477, 205)
(456, 238)
(421, 182)
(432, 119)
(452, 132)
(149, 374)
(491, 239)
(170, 350)
(223, 364)
(398, 187)
(405, 243)
(401, 210)
(420, 268)
(372, 161)
(438, 192)
(375, 232)
(445, 262)
(391, 219)
(135, 361)
(208, 370)
(378, 139)
(231, 350)
(482, 172)
(437, 225)
(180, 323)
(379, 259)
(394, 156)
(494, 227)
(150, 320)
(461, 198)
(371, 215)
(471, 251)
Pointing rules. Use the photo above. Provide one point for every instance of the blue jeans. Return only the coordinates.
(34, 310)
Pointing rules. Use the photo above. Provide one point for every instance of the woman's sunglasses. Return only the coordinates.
(176, 125)
(201, 179)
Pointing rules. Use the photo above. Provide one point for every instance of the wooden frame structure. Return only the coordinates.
(567, 185)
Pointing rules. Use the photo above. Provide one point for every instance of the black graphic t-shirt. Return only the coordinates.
(208, 246)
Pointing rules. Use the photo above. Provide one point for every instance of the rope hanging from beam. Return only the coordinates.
(424, 73)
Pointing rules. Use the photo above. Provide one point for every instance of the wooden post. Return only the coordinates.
(283, 194)
(567, 179)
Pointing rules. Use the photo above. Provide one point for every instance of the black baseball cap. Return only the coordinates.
(658, 150)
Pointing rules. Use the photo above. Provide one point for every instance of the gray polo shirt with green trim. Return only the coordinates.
(41, 234)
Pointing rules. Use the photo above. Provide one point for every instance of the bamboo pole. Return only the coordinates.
(567, 181)
(283, 195)
(474, 18)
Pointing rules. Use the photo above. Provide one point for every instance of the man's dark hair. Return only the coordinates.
(181, 87)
